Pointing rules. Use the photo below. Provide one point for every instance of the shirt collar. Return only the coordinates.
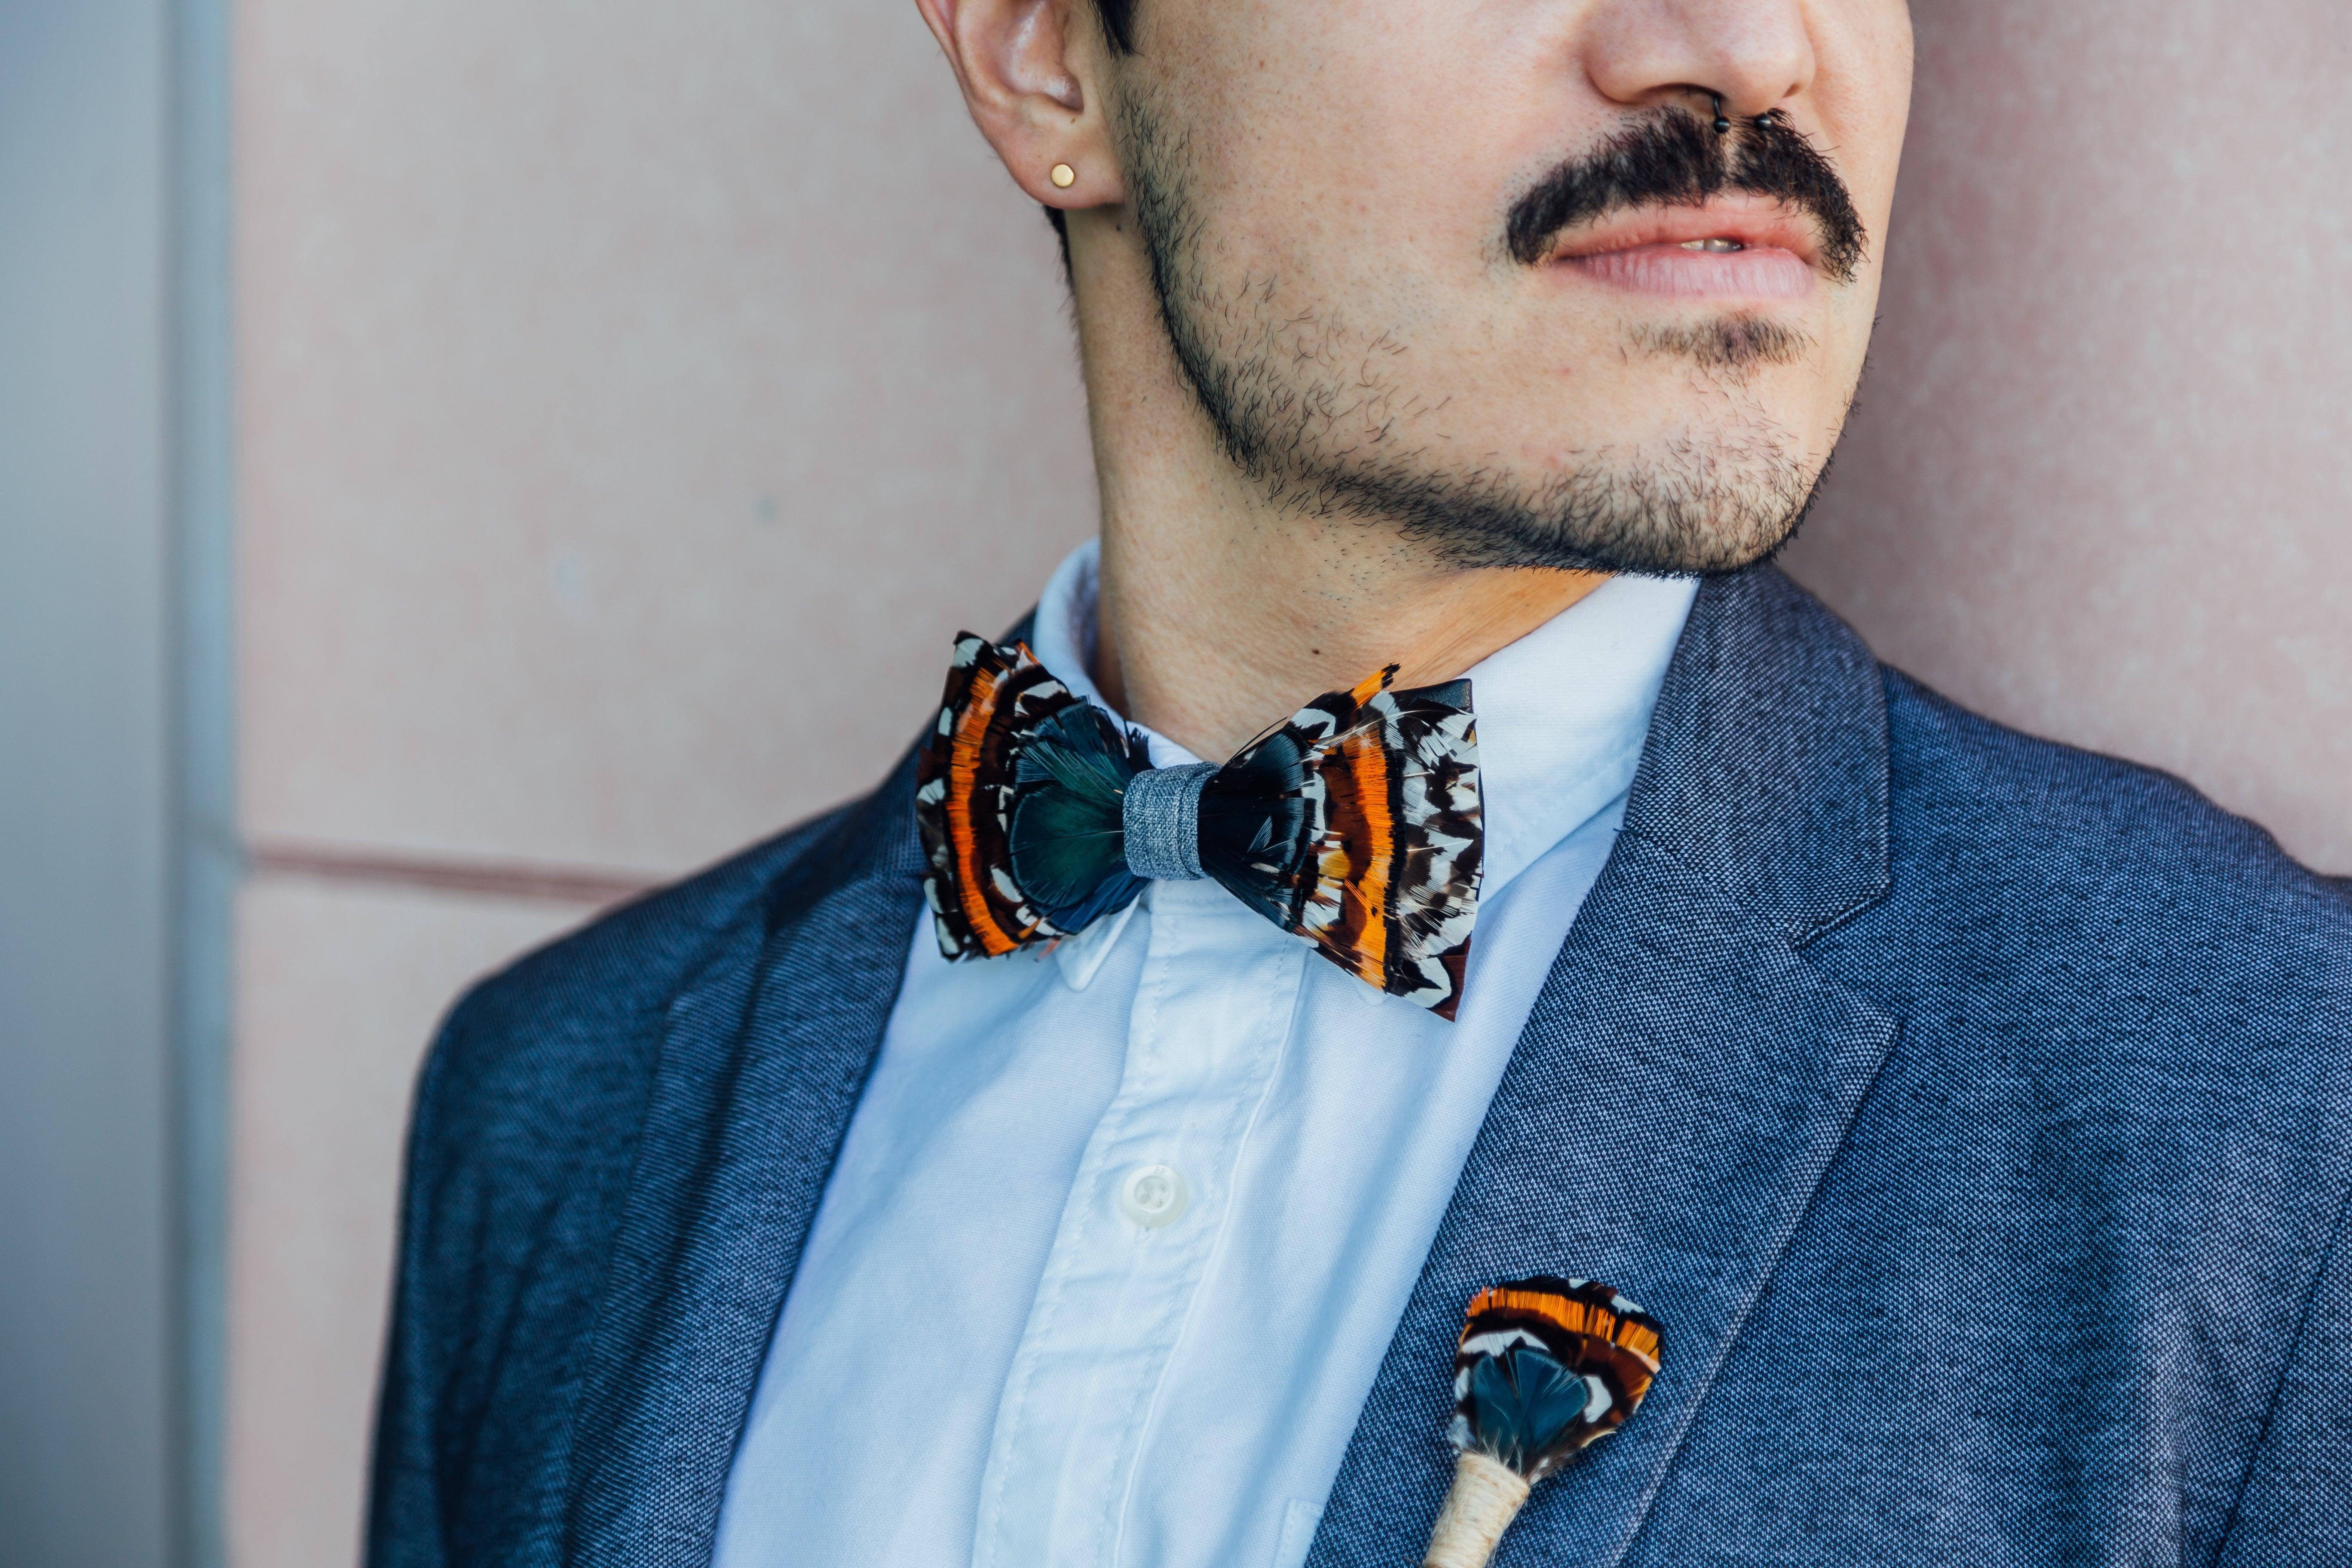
(1562, 712)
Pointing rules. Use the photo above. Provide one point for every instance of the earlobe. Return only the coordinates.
(1026, 67)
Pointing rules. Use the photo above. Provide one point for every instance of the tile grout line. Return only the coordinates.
(516, 880)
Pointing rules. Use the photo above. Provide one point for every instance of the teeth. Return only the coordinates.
(1712, 246)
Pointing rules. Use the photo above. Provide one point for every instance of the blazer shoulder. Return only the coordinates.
(2097, 805)
(2099, 857)
(579, 1018)
(522, 1147)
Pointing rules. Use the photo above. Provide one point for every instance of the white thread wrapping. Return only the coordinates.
(1486, 1498)
(1161, 818)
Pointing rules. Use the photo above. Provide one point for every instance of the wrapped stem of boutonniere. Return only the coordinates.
(1544, 1368)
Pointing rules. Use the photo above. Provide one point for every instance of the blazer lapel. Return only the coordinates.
(1685, 1077)
(761, 1064)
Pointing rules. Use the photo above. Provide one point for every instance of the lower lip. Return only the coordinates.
(1760, 272)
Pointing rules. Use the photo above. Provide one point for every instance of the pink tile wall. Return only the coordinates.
(2100, 483)
(339, 984)
(635, 399)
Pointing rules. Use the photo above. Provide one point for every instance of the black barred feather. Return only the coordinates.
(977, 768)
(1069, 840)
(1375, 854)
(1354, 823)
(1547, 1367)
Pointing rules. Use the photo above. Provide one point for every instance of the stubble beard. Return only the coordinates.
(1313, 409)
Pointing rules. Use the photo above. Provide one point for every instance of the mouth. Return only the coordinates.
(1727, 249)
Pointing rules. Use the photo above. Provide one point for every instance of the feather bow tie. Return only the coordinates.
(1355, 825)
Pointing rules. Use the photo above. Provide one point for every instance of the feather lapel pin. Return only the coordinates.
(1543, 1369)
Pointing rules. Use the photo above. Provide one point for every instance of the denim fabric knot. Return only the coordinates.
(1162, 816)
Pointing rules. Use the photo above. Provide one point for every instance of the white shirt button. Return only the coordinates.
(1154, 1196)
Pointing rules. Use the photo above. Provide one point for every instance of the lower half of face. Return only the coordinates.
(1532, 329)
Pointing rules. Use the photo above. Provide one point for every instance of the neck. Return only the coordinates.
(1215, 622)
(1223, 610)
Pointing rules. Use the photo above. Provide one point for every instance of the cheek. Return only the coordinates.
(1863, 90)
(1817, 400)
(1345, 130)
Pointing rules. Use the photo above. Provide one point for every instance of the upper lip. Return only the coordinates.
(1756, 222)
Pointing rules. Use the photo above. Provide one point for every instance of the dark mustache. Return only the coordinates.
(1672, 158)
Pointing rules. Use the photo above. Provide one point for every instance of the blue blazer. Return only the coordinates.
(1971, 1110)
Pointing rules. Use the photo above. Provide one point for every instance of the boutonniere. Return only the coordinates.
(1543, 1369)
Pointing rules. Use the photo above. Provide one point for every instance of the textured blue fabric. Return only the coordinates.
(1162, 815)
(1972, 1111)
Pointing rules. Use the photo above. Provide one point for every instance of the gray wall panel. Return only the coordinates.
(84, 1336)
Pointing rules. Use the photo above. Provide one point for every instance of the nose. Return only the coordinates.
(1755, 55)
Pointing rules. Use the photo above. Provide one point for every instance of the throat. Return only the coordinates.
(1211, 659)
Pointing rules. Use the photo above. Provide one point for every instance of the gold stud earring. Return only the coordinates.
(1064, 176)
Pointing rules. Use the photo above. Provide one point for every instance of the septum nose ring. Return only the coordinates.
(1723, 122)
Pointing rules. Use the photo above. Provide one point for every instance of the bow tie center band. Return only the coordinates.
(1354, 823)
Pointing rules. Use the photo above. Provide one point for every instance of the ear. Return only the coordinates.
(1032, 74)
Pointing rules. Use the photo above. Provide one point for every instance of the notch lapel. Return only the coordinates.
(762, 1060)
(1685, 1077)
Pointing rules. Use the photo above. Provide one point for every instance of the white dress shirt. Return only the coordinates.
(1119, 1234)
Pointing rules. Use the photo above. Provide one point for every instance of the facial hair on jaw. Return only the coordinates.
(1329, 439)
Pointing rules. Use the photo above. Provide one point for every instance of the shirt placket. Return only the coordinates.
(1213, 1012)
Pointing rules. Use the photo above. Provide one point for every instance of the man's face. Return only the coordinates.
(1488, 270)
